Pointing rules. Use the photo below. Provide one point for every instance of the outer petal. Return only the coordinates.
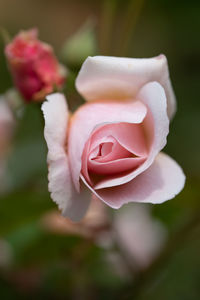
(103, 77)
(92, 115)
(157, 124)
(161, 182)
(72, 204)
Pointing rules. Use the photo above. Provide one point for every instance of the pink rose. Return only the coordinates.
(110, 147)
(33, 65)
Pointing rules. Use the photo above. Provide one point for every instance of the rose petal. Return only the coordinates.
(115, 166)
(129, 136)
(115, 151)
(119, 159)
(56, 124)
(159, 183)
(78, 203)
(153, 96)
(106, 78)
(72, 204)
(147, 233)
(92, 115)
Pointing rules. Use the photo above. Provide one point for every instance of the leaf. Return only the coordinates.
(81, 45)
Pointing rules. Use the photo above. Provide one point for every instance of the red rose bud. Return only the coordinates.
(33, 65)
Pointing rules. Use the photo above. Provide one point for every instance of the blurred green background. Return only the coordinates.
(42, 259)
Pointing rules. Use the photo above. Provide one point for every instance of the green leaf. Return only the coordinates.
(81, 45)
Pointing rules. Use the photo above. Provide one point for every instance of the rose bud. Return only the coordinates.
(110, 146)
(33, 65)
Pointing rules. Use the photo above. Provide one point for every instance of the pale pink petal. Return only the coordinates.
(157, 125)
(92, 115)
(106, 78)
(148, 235)
(118, 159)
(115, 166)
(84, 164)
(109, 151)
(72, 204)
(56, 116)
(78, 203)
(160, 182)
(129, 136)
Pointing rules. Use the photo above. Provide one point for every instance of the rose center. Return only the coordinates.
(113, 149)
(104, 149)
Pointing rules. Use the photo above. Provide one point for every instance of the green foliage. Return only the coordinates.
(80, 45)
(179, 277)
(27, 159)
(24, 206)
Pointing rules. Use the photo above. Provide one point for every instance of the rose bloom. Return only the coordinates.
(110, 146)
(33, 65)
(148, 235)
